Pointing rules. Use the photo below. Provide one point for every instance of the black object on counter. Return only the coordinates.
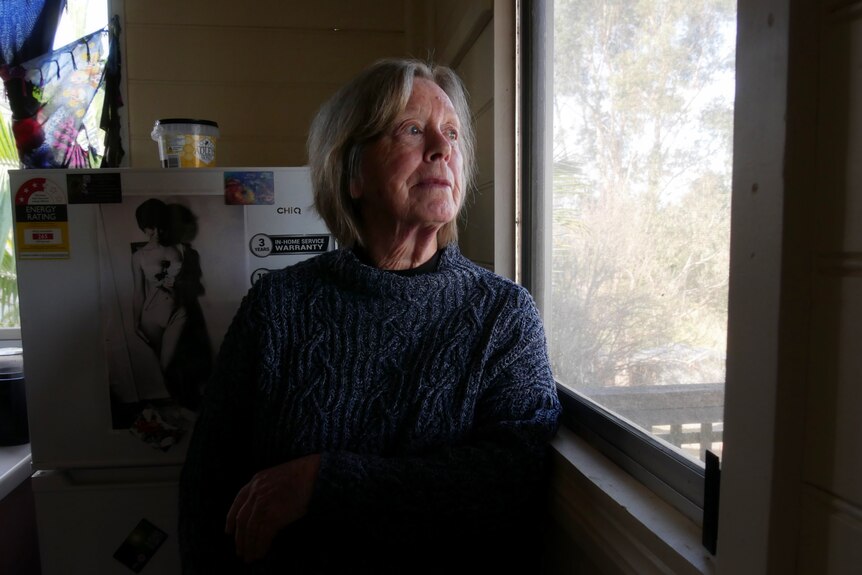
(14, 429)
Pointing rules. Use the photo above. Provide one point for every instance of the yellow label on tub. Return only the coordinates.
(189, 151)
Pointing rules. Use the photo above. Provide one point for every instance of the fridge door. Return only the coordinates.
(107, 522)
(128, 281)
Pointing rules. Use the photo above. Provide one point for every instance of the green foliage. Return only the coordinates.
(8, 271)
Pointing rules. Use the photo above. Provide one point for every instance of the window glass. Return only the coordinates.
(8, 271)
(80, 17)
(642, 145)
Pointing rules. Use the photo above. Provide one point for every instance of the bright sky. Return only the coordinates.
(96, 17)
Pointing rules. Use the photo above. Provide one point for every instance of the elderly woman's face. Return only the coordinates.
(411, 175)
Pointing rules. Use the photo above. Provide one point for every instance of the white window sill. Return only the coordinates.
(14, 467)
(614, 523)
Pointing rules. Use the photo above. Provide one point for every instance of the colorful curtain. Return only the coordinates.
(27, 29)
(56, 115)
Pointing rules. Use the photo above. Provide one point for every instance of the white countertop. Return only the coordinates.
(14, 467)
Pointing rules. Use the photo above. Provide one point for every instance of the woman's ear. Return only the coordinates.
(355, 189)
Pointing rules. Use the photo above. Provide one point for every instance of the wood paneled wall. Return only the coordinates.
(260, 69)
(463, 36)
(477, 230)
(831, 487)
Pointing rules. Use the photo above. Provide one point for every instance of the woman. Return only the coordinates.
(384, 407)
(191, 362)
(165, 307)
(158, 318)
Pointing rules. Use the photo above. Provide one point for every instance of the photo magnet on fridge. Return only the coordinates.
(140, 546)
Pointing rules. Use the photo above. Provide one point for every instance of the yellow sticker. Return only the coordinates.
(41, 220)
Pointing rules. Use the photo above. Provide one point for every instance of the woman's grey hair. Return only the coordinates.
(356, 115)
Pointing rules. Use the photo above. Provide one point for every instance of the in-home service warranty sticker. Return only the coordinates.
(41, 220)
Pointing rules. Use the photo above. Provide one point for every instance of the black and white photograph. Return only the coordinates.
(173, 274)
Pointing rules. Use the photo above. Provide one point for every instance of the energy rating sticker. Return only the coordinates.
(41, 220)
(263, 245)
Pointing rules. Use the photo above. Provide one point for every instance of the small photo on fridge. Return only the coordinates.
(249, 188)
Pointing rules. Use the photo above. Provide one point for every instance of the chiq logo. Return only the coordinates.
(281, 210)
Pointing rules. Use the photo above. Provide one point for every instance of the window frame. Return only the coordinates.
(671, 475)
(8, 334)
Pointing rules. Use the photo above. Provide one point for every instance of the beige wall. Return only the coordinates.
(464, 36)
(477, 229)
(260, 69)
(831, 482)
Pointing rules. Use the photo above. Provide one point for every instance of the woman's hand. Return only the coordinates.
(273, 499)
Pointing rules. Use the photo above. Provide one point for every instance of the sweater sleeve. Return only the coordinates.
(217, 463)
(482, 484)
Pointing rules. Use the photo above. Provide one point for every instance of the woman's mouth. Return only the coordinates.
(435, 183)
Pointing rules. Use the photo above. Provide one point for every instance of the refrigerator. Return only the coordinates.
(128, 280)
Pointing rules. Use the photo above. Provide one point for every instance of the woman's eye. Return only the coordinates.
(452, 134)
(414, 130)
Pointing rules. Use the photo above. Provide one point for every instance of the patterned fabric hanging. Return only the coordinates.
(57, 92)
(110, 121)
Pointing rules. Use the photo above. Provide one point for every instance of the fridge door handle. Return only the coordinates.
(116, 477)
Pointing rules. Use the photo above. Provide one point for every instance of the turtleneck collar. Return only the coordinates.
(427, 267)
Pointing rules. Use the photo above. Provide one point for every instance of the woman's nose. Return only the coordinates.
(438, 146)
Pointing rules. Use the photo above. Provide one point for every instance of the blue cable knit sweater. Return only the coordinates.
(430, 398)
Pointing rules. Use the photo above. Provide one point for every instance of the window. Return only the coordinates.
(9, 321)
(79, 18)
(628, 117)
